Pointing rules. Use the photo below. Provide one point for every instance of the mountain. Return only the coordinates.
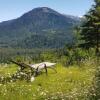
(40, 27)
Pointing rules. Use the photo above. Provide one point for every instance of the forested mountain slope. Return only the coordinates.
(40, 27)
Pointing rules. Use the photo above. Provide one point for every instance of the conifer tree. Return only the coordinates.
(90, 33)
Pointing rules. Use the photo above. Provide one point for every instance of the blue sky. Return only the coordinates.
(10, 9)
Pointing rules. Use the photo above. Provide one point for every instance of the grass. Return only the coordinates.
(69, 83)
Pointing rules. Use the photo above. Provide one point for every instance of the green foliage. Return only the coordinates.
(76, 39)
(91, 28)
(74, 56)
(65, 84)
(68, 83)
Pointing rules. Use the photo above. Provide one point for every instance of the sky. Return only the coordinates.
(11, 9)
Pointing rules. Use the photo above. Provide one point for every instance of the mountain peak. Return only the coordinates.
(44, 10)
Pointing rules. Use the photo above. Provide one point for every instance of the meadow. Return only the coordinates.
(69, 83)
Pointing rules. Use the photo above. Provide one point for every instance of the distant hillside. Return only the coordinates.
(40, 27)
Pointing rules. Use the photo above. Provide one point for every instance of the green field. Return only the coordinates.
(69, 83)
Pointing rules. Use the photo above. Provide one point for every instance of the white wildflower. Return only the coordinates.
(32, 78)
(0, 84)
(43, 93)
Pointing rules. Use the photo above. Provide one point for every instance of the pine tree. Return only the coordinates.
(90, 33)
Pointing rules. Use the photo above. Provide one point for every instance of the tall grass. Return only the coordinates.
(69, 83)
